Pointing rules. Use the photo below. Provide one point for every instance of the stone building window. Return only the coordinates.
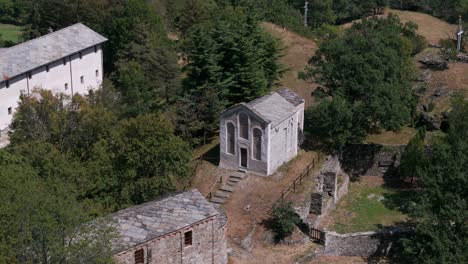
(257, 144)
(188, 238)
(97, 73)
(82, 79)
(230, 138)
(10, 111)
(140, 256)
(243, 126)
(66, 86)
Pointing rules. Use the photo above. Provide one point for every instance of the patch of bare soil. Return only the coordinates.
(296, 54)
(432, 28)
(445, 83)
(206, 176)
(249, 206)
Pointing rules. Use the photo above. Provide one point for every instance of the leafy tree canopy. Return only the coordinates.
(440, 209)
(366, 73)
(40, 220)
(228, 62)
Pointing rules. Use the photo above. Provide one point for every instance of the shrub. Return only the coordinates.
(449, 48)
(282, 220)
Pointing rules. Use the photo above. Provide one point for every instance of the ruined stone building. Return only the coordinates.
(261, 135)
(184, 228)
(66, 61)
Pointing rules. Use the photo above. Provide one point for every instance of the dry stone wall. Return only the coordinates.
(364, 244)
(370, 159)
(328, 190)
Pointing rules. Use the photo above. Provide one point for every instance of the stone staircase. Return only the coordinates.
(221, 195)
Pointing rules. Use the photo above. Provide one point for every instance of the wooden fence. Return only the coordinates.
(317, 235)
(298, 181)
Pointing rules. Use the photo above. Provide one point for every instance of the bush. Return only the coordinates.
(449, 48)
(282, 220)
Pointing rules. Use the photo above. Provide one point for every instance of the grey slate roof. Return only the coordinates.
(150, 220)
(45, 49)
(274, 107)
(291, 96)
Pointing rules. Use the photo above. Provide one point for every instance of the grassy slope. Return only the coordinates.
(296, 52)
(361, 209)
(10, 32)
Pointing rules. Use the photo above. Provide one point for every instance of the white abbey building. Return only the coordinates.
(67, 61)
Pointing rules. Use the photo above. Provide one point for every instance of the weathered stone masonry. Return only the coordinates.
(159, 229)
(362, 244)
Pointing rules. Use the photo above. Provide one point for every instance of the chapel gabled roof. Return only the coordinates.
(145, 222)
(274, 107)
(37, 52)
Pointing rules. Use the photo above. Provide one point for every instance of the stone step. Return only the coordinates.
(221, 194)
(234, 179)
(227, 188)
(238, 175)
(232, 183)
(218, 200)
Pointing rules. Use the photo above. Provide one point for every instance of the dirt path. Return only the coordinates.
(249, 206)
(297, 52)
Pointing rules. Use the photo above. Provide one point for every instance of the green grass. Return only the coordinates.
(10, 32)
(401, 137)
(358, 213)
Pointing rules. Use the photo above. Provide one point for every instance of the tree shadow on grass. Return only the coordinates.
(404, 194)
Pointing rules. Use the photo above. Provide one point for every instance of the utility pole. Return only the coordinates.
(306, 10)
(459, 36)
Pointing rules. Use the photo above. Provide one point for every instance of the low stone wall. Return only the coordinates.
(343, 187)
(362, 244)
(330, 203)
(370, 159)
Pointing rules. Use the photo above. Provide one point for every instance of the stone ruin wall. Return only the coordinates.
(363, 244)
(370, 159)
(328, 191)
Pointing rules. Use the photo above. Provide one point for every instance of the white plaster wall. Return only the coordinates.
(54, 80)
(86, 67)
(284, 148)
(9, 97)
(230, 161)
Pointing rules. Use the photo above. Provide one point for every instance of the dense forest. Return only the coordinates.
(75, 160)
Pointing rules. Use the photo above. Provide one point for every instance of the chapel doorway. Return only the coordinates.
(243, 157)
